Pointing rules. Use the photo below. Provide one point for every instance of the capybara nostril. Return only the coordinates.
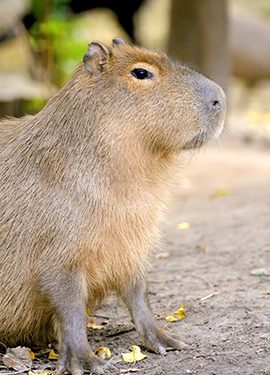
(215, 97)
(216, 105)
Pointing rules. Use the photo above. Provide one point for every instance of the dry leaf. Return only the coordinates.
(40, 372)
(203, 248)
(18, 358)
(92, 324)
(266, 291)
(88, 312)
(135, 355)
(103, 353)
(53, 355)
(179, 314)
(32, 354)
(165, 254)
(182, 226)
(221, 193)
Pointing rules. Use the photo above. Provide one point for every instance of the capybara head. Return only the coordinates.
(175, 107)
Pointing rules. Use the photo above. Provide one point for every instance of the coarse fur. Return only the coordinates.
(85, 181)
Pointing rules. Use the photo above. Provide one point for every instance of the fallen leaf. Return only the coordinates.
(182, 226)
(203, 248)
(92, 324)
(18, 358)
(135, 355)
(53, 355)
(88, 312)
(179, 314)
(221, 193)
(103, 353)
(32, 355)
(266, 291)
(40, 372)
(165, 254)
(257, 272)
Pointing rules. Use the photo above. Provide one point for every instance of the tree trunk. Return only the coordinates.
(199, 36)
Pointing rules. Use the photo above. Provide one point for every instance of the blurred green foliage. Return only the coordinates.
(34, 105)
(56, 39)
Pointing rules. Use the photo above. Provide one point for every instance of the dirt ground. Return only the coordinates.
(228, 237)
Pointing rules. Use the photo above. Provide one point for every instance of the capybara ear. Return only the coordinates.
(118, 41)
(95, 58)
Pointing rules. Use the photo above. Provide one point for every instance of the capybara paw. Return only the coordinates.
(162, 341)
(182, 339)
(171, 344)
(77, 366)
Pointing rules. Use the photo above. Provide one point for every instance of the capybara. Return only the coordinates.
(83, 185)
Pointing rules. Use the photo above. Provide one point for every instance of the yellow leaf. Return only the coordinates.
(52, 355)
(266, 291)
(103, 353)
(92, 324)
(179, 314)
(88, 312)
(221, 193)
(38, 372)
(32, 355)
(182, 226)
(203, 248)
(135, 355)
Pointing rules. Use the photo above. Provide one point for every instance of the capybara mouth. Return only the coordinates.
(201, 139)
(196, 142)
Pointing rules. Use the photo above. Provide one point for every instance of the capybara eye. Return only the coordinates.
(141, 73)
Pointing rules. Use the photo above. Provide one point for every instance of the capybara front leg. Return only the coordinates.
(154, 337)
(68, 299)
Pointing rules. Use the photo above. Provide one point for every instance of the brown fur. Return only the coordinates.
(84, 183)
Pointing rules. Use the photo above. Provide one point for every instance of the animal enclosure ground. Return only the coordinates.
(230, 331)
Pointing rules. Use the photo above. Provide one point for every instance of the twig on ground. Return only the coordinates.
(209, 296)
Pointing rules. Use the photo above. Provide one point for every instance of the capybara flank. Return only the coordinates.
(83, 185)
